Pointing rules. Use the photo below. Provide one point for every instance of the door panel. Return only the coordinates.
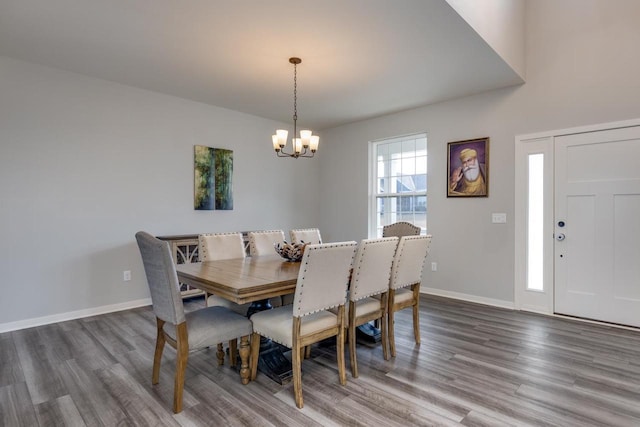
(597, 196)
(581, 245)
(626, 269)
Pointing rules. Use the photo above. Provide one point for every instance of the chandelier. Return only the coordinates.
(307, 144)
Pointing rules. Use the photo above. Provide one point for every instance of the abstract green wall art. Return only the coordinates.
(213, 174)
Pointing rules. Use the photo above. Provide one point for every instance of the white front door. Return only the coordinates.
(597, 225)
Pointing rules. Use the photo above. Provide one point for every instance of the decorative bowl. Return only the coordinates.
(290, 251)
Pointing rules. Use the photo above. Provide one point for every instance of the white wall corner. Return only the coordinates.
(501, 24)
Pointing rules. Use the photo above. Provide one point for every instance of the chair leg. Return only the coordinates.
(181, 366)
(340, 347)
(307, 352)
(157, 357)
(244, 359)
(351, 336)
(220, 354)
(233, 352)
(416, 312)
(255, 353)
(385, 337)
(384, 305)
(390, 324)
(416, 323)
(296, 364)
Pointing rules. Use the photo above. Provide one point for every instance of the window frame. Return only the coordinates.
(374, 195)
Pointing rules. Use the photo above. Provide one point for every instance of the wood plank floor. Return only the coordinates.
(477, 365)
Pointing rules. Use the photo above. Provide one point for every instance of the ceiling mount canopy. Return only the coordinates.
(307, 144)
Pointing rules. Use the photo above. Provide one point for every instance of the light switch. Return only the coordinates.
(499, 218)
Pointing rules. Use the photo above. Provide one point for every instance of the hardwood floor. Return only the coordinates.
(477, 365)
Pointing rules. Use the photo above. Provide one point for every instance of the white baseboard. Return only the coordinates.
(469, 298)
(71, 315)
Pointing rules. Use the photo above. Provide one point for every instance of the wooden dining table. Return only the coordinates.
(254, 280)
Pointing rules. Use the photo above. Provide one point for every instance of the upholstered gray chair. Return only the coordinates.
(399, 229)
(404, 286)
(185, 332)
(307, 235)
(368, 291)
(322, 285)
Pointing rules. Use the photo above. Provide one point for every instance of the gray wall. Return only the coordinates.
(86, 163)
(582, 68)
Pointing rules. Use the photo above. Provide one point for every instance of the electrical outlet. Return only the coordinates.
(126, 275)
(499, 218)
(434, 266)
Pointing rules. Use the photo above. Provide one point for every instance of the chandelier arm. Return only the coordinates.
(305, 153)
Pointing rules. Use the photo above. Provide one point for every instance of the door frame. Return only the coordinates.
(541, 142)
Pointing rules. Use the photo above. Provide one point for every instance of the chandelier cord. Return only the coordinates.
(295, 97)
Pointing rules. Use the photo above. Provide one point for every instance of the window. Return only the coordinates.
(398, 182)
(535, 223)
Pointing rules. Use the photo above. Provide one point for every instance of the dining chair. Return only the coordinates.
(262, 242)
(298, 235)
(218, 246)
(368, 291)
(399, 229)
(221, 246)
(404, 286)
(307, 235)
(322, 285)
(185, 332)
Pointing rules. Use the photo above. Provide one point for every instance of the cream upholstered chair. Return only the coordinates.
(310, 236)
(216, 246)
(322, 285)
(368, 291)
(220, 246)
(400, 229)
(185, 332)
(262, 242)
(404, 286)
(307, 235)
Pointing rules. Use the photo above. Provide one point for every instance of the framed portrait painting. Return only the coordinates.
(468, 168)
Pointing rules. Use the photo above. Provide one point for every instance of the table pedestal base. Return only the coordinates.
(272, 361)
(368, 333)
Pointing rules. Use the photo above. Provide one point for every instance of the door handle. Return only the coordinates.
(560, 237)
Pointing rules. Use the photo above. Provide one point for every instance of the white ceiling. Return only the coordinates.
(361, 58)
